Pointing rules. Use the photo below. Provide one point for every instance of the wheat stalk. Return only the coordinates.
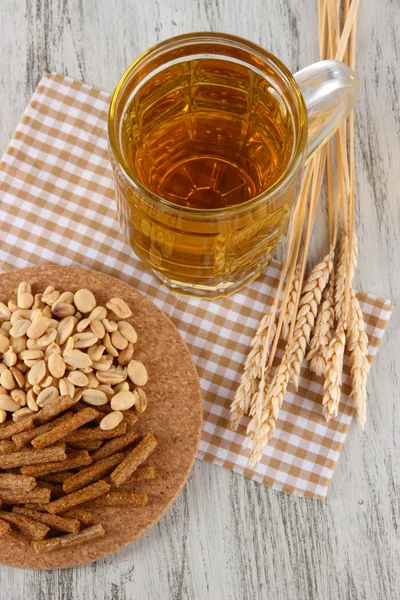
(322, 333)
(358, 347)
(333, 372)
(308, 307)
(265, 428)
(291, 303)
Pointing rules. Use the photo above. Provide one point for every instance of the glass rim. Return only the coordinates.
(204, 37)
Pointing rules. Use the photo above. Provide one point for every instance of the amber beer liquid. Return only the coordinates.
(207, 138)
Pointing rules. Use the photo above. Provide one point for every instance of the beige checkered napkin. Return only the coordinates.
(57, 205)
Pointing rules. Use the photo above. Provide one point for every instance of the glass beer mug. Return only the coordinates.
(208, 135)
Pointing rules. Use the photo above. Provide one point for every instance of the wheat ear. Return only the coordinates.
(265, 428)
(291, 303)
(308, 308)
(347, 263)
(333, 372)
(322, 333)
(358, 347)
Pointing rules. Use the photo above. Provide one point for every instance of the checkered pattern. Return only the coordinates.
(57, 206)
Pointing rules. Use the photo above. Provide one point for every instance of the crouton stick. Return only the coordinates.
(71, 500)
(92, 473)
(38, 495)
(121, 499)
(7, 447)
(60, 431)
(115, 445)
(95, 433)
(84, 516)
(54, 408)
(27, 526)
(5, 528)
(133, 460)
(25, 438)
(20, 483)
(73, 539)
(23, 425)
(29, 456)
(52, 521)
(80, 458)
(143, 473)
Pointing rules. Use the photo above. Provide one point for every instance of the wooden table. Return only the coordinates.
(226, 537)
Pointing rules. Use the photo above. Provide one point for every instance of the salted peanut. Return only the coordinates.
(94, 433)
(74, 460)
(37, 301)
(84, 339)
(7, 380)
(141, 400)
(111, 420)
(101, 365)
(4, 343)
(115, 445)
(82, 515)
(3, 390)
(137, 372)
(65, 297)
(78, 395)
(89, 445)
(107, 389)
(137, 456)
(29, 363)
(50, 295)
(31, 401)
(56, 365)
(128, 331)
(31, 344)
(133, 499)
(98, 313)
(121, 387)
(68, 346)
(6, 327)
(65, 329)
(92, 473)
(18, 376)
(123, 401)
(125, 356)
(63, 387)
(119, 307)
(47, 338)
(54, 408)
(78, 378)
(83, 495)
(110, 377)
(29, 456)
(47, 395)
(94, 397)
(15, 317)
(97, 328)
(18, 344)
(84, 301)
(142, 474)
(77, 359)
(109, 346)
(24, 295)
(92, 382)
(19, 396)
(130, 417)
(22, 368)
(37, 495)
(8, 404)
(63, 309)
(20, 414)
(52, 521)
(20, 328)
(82, 325)
(29, 527)
(109, 326)
(31, 354)
(12, 306)
(5, 528)
(118, 340)
(7, 447)
(37, 373)
(52, 348)
(38, 327)
(36, 313)
(60, 431)
(10, 358)
(72, 539)
(3, 415)
(47, 381)
(22, 483)
(5, 312)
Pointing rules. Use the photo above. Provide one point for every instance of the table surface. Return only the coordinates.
(227, 537)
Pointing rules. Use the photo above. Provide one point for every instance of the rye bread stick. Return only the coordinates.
(55, 489)
(8, 431)
(132, 499)
(17, 535)
(92, 473)
(25, 438)
(30, 456)
(73, 539)
(142, 474)
(80, 458)
(71, 500)
(27, 526)
(115, 445)
(90, 445)
(84, 516)
(5, 527)
(60, 431)
(54, 408)
(7, 447)
(138, 455)
(20, 483)
(57, 477)
(129, 416)
(37, 496)
(95, 433)
(52, 521)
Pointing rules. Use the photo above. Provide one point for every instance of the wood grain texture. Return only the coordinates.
(227, 538)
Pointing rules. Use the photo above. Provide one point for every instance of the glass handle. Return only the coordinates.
(330, 89)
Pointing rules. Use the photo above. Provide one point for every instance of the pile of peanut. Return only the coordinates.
(62, 344)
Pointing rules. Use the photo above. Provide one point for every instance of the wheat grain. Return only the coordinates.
(291, 303)
(358, 347)
(322, 333)
(308, 307)
(333, 372)
(347, 263)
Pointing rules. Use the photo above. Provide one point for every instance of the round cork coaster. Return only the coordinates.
(174, 415)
